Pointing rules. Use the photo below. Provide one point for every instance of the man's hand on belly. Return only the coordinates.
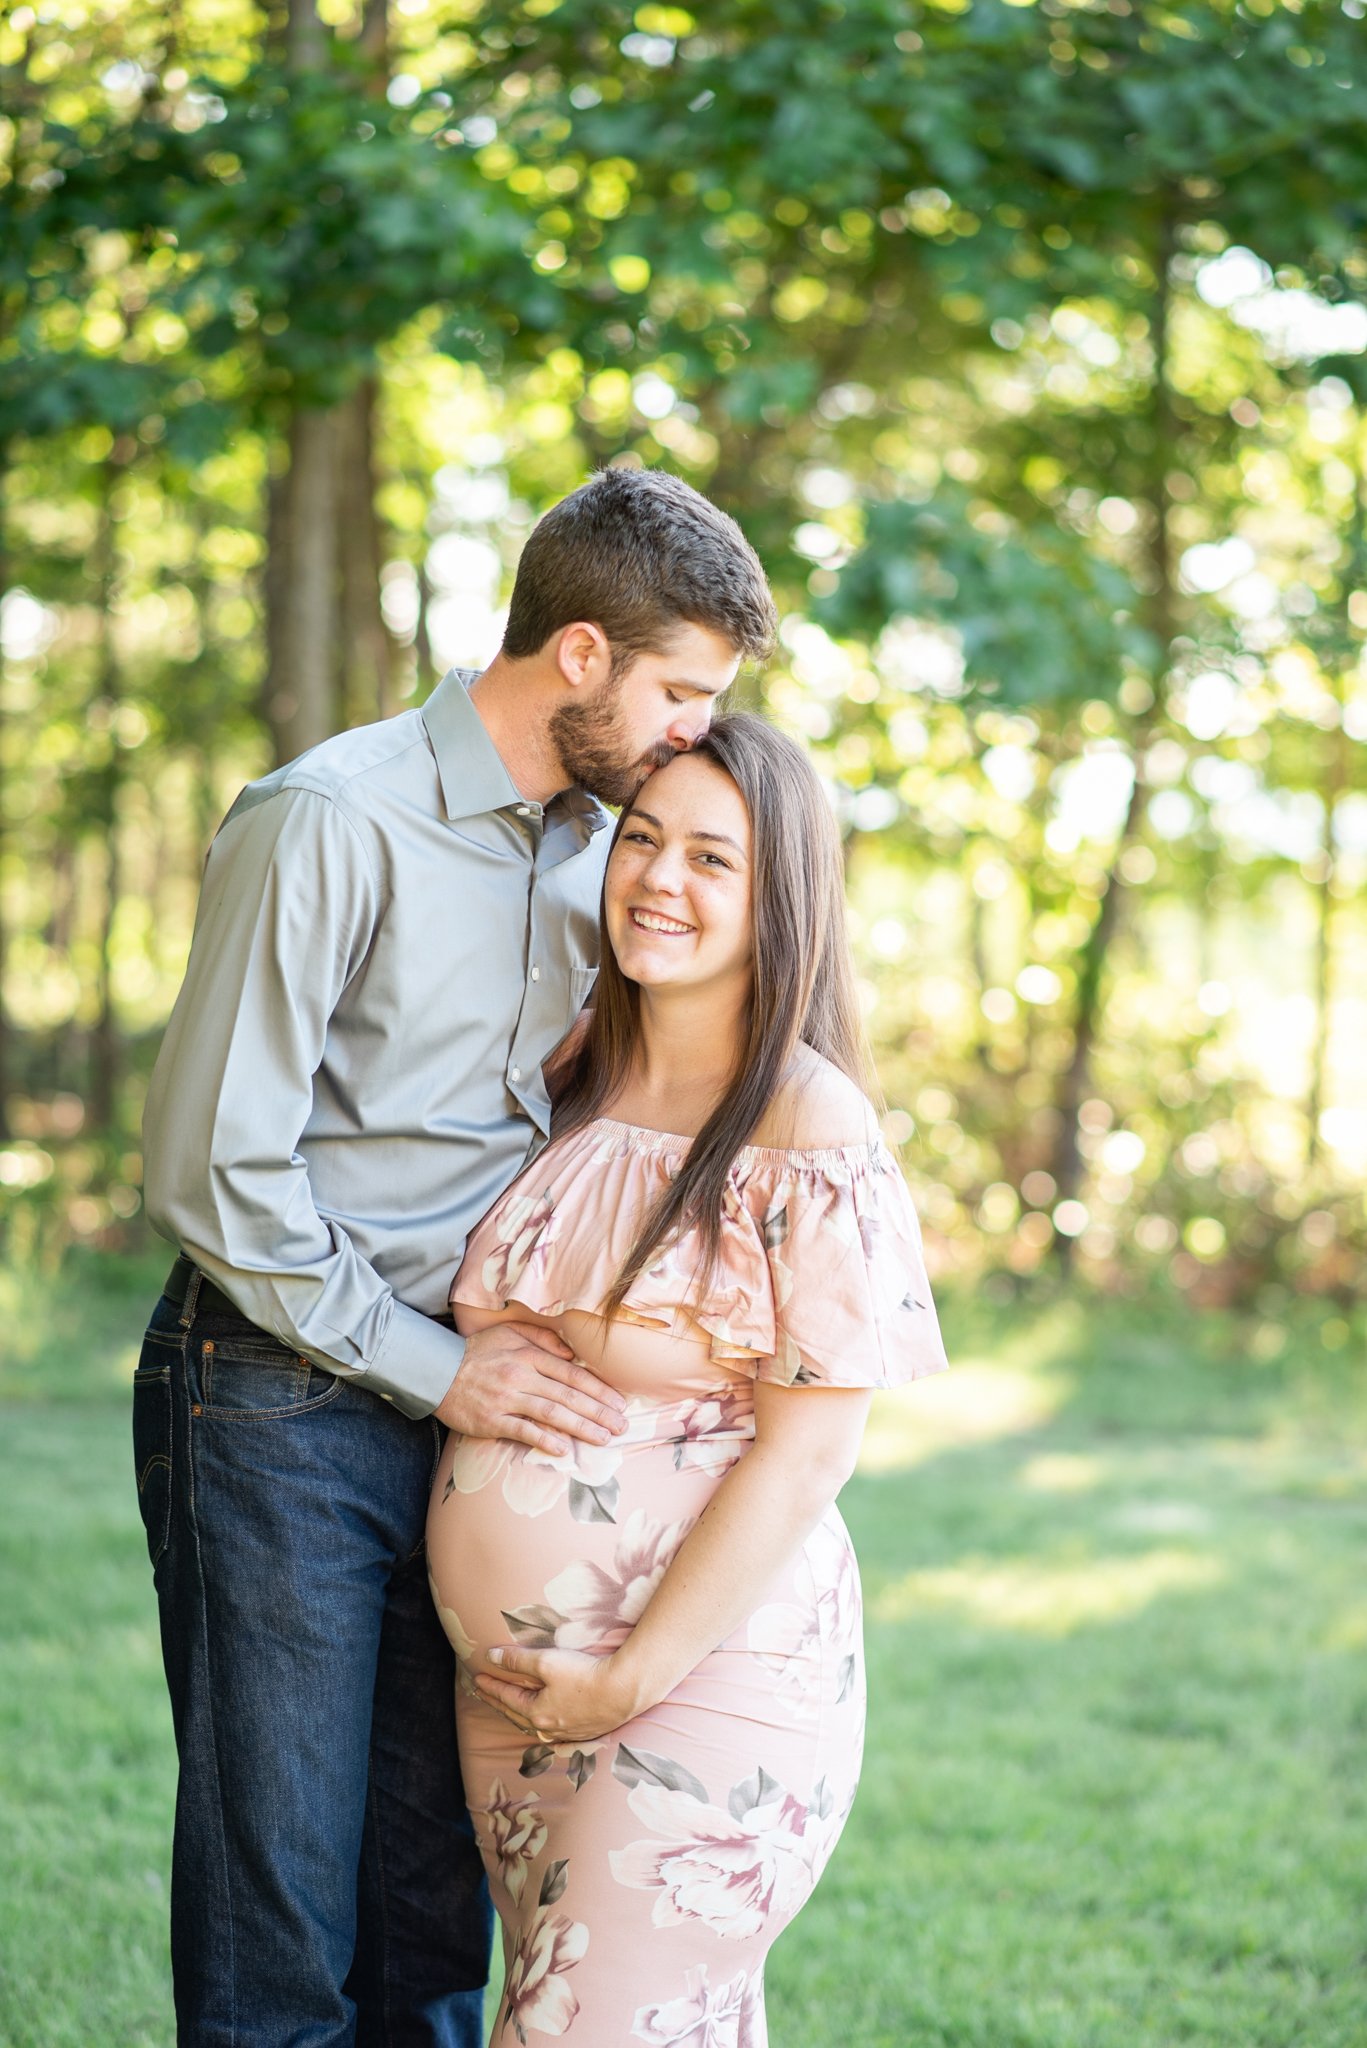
(522, 1383)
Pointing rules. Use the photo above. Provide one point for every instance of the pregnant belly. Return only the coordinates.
(566, 1551)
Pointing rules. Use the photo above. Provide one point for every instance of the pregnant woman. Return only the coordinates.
(661, 1679)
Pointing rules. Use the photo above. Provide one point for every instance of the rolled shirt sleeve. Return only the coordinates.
(289, 909)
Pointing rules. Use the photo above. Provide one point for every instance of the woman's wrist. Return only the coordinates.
(632, 1683)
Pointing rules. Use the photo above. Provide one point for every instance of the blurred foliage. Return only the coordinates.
(1027, 343)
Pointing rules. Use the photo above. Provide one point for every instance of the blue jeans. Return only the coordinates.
(326, 1885)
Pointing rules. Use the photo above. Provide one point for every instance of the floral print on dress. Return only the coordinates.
(699, 1828)
(512, 1837)
(534, 1481)
(700, 2018)
(790, 1636)
(522, 1246)
(715, 1431)
(731, 1869)
(594, 1607)
(536, 1991)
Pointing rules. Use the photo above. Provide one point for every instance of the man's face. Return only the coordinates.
(636, 721)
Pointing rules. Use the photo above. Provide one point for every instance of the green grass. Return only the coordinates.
(1116, 1782)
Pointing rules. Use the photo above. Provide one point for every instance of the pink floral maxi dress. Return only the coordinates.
(641, 1878)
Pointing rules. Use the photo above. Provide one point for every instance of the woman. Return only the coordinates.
(661, 1704)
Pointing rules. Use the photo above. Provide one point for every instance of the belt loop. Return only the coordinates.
(187, 1307)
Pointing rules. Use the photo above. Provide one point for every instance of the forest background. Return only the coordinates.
(1029, 345)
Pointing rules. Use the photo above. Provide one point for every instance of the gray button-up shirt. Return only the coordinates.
(390, 940)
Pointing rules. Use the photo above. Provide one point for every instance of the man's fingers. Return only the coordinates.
(590, 1394)
(590, 1425)
(545, 1340)
(518, 1429)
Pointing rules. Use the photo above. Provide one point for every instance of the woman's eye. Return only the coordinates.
(638, 838)
(673, 697)
(716, 861)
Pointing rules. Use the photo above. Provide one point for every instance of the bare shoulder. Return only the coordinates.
(817, 1105)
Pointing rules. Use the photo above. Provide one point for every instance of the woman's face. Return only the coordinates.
(677, 893)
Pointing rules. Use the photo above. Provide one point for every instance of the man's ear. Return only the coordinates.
(582, 654)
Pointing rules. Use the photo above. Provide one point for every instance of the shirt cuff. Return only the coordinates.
(415, 1364)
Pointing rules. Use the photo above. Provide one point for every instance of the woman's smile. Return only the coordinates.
(656, 921)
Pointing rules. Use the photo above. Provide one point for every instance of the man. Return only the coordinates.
(394, 932)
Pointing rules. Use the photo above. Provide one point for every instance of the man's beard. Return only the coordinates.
(591, 740)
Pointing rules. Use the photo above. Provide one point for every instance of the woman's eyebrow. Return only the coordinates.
(721, 838)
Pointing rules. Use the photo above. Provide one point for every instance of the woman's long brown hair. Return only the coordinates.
(803, 988)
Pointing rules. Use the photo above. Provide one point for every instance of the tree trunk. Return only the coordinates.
(6, 1047)
(306, 37)
(367, 664)
(15, 80)
(302, 571)
(424, 661)
(105, 1062)
(1075, 1079)
(301, 698)
(1336, 780)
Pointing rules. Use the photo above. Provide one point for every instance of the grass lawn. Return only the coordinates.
(1116, 1784)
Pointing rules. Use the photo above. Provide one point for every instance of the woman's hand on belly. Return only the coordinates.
(559, 1695)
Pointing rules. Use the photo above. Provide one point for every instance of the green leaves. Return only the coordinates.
(1039, 615)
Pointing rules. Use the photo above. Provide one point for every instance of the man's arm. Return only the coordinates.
(288, 911)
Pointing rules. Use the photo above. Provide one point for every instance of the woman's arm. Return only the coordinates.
(806, 1443)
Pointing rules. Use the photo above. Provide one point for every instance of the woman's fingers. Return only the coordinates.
(518, 1700)
(518, 1663)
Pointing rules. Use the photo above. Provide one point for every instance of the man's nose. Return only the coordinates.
(690, 725)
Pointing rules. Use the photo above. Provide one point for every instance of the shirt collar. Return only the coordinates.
(473, 776)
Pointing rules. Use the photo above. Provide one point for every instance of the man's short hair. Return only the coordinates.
(639, 552)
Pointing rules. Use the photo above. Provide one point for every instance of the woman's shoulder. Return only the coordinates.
(817, 1107)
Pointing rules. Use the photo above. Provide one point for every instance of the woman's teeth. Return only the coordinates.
(647, 921)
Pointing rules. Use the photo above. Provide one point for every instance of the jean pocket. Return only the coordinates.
(254, 1380)
(152, 1445)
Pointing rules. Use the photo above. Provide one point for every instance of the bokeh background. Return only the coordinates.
(1028, 343)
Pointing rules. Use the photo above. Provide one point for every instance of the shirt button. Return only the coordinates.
(523, 811)
(515, 1073)
(536, 974)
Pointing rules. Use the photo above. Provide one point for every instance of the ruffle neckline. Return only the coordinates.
(819, 1280)
(871, 1152)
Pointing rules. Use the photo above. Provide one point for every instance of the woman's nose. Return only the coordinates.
(664, 871)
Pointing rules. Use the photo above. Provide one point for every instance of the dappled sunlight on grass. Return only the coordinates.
(975, 1403)
(1063, 1472)
(1164, 1517)
(1049, 1599)
(1348, 1631)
